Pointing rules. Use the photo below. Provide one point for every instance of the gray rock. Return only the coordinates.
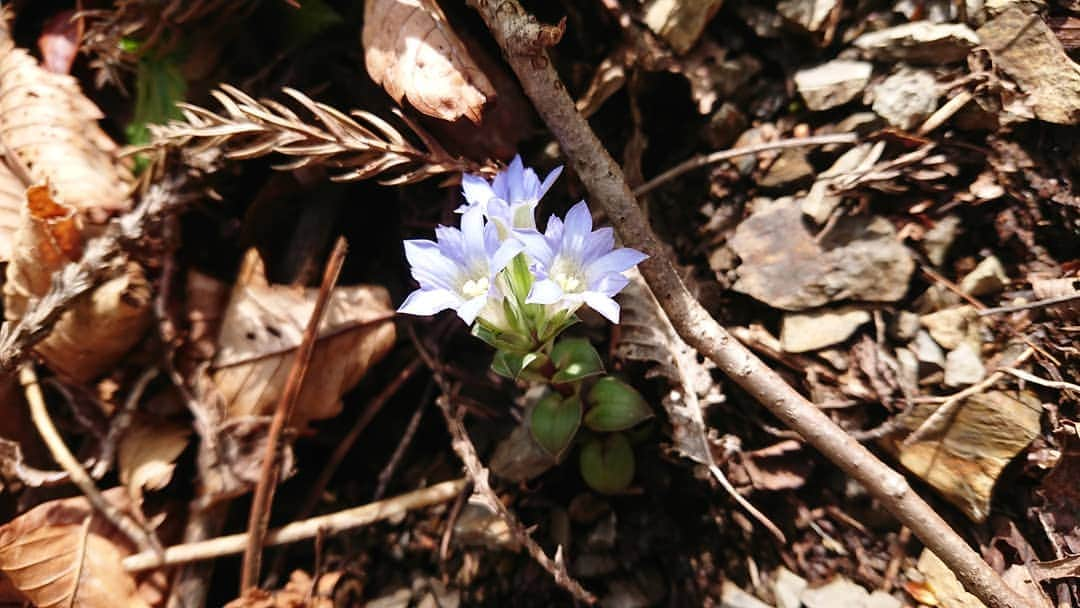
(987, 278)
(810, 14)
(838, 592)
(919, 42)
(802, 332)
(952, 326)
(963, 366)
(939, 238)
(785, 266)
(788, 168)
(927, 352)
(833, 83)
(820, 202)
(906, 98)
(904, 326)
(880, 599)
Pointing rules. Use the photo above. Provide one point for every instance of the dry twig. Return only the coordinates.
(359, 144)
(259, 519)
(300, 530)
(478, 475)
(141, 537)
(523, 41)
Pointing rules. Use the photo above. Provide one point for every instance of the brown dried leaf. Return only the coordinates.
(102, 325)
(300, 592)
(61, 554)
(410, 49)
(50, 128)
(59, 41)
(12, 195)
(264, 324)
(147, 453)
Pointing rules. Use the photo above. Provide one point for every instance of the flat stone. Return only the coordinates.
(937, 240)
(680, 22)
(963, 366)
(731, 596)
(787, 588)
(907, 98)
(785, 266)
(1028, 52)
(838, 592)
(927, 352)
(988, 277)
(904, 326)
(811, 15)
(802, 332)
(880, 599)
(788, 168)
(833, 83)
(919, 42)
(820, 203)
(952, 326)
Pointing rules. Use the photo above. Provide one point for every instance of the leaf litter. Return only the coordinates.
(892, 281)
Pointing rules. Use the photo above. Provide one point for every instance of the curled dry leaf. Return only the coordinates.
(50, 129)
(410, 49)
(12, 195)
(61, 554)
(147, 455)
(103, 324)
(264, 324)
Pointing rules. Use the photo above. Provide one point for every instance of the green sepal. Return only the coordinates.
(515, 365)
(554, 422)
(519, 276)
(575, 359)
(501, 340)
(607, 463)
(615, 406)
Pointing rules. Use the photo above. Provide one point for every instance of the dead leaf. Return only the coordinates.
(1026, 50)
(147, 454)
(941, 586)
(410, 49)
(61, 554)
(781, 466)
(50, 128)
(647, 335)
(59, 41)
(102, 325)
(964, 462)
(264, 324)
(12, 196)
(303, 592)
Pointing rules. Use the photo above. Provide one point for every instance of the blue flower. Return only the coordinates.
(459, 271)
(510, 199)
(576, 265)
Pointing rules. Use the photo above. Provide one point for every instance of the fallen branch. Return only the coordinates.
(524, 41)
(301, 530)
(478, 475)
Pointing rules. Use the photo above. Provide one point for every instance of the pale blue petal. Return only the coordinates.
(604, 305)
(451, 243)
(619, 260)
(424, 302)
(597, 244)
(609, 284)
(515, 177)
(470, 308)
(476, 189)
(576, 227)
(472, 231)
(502, 256)
(537, 246)
(549, 181)
(430, 267)
(498, 209)
(554, 231)
(544, 292)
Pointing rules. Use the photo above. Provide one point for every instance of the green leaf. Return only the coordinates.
(554, 422)
(575, 359)
(159, 84)
(615, 406)
(607, 464)
(514, 365)
(519, 277)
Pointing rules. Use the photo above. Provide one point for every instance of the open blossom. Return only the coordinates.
(576, 265)
(510, 199)
(458, 271)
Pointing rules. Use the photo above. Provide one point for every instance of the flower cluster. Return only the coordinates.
(519, 285)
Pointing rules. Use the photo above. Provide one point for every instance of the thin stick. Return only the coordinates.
(387, 473)
(1030, 305)
(123, 522)
(301, 530)
(758, 515)
(936, 420)
(259, 519)
(478, 475)
(1032, 378)
(716, 157)
(523, 41)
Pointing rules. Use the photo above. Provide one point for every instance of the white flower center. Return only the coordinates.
(567, 276)
(474, 288)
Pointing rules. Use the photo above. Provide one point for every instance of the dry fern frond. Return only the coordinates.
(359, 144)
